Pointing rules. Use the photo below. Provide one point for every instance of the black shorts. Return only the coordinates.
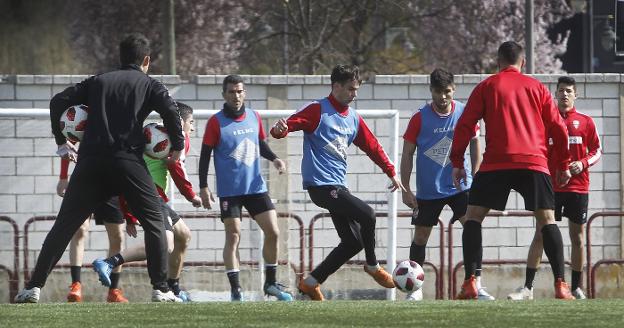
(170, 217)
(491, 189)
(232, 207)
(109, 212)
(429, 209)
(571, 205)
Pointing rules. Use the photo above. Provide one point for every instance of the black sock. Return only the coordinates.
(115, 260)
(529, 277)
(270, 271)
(174, 285)
(553, 247)
(114, 277)
(471, 239)
(576, 279)
(233, 278)
(75, 273)
(479, 263)
(417, 253)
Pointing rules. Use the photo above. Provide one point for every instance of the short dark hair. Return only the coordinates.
(133, 48)
(510, 52)
(440, 79)
(567, 80)
(185, 110)
(231, 79)
(345, 73)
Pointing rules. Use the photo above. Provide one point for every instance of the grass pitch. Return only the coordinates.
(506, 314)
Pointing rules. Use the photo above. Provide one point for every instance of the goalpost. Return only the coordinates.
(392, 117)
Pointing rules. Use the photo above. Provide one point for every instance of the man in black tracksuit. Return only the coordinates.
(110, 160)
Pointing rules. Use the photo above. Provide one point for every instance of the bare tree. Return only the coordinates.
(392, 36)
(204, 33)
(466, 38)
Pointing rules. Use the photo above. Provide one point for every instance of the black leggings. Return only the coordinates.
(94, 180)
(354, 221)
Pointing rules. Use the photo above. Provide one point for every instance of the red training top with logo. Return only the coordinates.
(519, 115)
(308, 118)
(584, 147)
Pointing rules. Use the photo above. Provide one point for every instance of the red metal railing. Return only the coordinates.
(280, 215)
(453, 270)
(591, 270)
(13, 273)
(439, 281)
(298, 270)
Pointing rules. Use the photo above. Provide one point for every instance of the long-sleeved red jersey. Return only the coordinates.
(584, 147)
(519, 115)
(308, 118)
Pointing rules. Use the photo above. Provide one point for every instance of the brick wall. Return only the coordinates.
(29, 167)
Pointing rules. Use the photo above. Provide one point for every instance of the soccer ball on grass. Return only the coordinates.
(408, 276)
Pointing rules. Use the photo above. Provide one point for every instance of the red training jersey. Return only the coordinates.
(519, 114)
(212, 134)
(308, 118)
(584, 147)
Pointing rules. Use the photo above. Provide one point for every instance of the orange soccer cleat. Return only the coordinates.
(115, 295)
(75, 292)
(381, 277)
(314, 292)
(562, 290)
(468, 290)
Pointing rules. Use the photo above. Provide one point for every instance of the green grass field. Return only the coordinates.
(541, 313)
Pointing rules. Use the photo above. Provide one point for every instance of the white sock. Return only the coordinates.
(478, 280)
(373, 268)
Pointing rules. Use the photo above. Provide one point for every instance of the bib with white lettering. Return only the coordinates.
(434, 169)
(237, 156)
(325, 150)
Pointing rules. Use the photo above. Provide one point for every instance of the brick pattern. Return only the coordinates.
(29, 170)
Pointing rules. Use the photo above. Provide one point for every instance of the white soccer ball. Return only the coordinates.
(408, 276)
(74, 122)
(157, 144)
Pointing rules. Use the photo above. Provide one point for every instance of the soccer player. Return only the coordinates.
(237, 137)
(178, 233)
(111, 217)
(519, 115)
(111, 160)
(329, 127)
(572, 200)
(430, 131)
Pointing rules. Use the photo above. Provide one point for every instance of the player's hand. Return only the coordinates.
(131, 230)
(396, 184)
(61, 186)
(280, 128)
(576, 167)
(459, 176)
(206, 197)
(196, 201)
(279, 165)
(68, 151)
(409, 199)
(174, 157)
(563, 177)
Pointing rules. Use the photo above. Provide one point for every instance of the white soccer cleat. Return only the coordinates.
(28, 295)
(415, 296)
(483, 295)
(521, 294)
(578, 294)
(158, 296)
